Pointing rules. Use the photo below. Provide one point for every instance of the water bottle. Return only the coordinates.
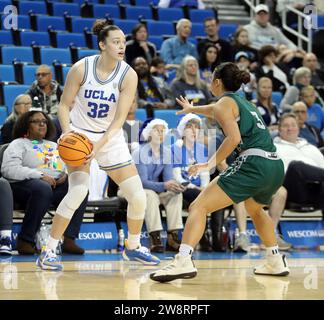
(224, 238)
(121, 240)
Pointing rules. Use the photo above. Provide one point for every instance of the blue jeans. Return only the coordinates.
(37, 197)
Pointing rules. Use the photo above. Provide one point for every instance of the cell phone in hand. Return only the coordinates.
(184, 184)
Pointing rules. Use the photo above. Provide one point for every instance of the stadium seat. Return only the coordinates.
(65, 71)
(277, 97)
(29, 74)
(7, 73)
(136, 12)
(117, 1)
(80, 2)
(60, 9)
(3, 115)
(24, 54)
(35, 6)
(198, 30)
(320, 21)
(5, 37)
(78, 24)
(225, 30)
(34, 37)
(126, 25)
(167, 115)
(99, 11)
(49, 55)
(10, 92)
(159, 28)
(199, 15)
(55, 23)
(86, 52)
(157, 40)
(23, 21)
(64, 40)
(170, 14)
(140, 114)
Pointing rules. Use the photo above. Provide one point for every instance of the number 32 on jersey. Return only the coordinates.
(98, 110)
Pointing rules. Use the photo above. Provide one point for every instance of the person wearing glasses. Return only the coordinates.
(44, 91)
(38, 179)
(21, 104)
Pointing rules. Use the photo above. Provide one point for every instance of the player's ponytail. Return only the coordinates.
(101, 29)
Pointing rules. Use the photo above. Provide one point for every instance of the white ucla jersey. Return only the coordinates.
(96, 102)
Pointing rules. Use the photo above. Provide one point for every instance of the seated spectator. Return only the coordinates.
(212, 31)
(138, 46)
(161, 70)
(315, 112)
(6, 210)
(301, 79)
(38, 179)
(153, 162)
(188, 83)
(45, 92)
(268, 68)
(241, 43)
(303, 164)
(268, 109)
(209, 59)
(152, 92)
(262, 32)
(21, 104)
(174, 49)
(306, 130)
(181, 3)
(291, 57)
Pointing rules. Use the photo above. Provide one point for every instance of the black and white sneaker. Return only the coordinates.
(274, 266)
(5, 246)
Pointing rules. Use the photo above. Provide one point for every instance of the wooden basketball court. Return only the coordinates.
(105, 276)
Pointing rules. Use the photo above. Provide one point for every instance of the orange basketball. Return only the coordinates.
(73, 148)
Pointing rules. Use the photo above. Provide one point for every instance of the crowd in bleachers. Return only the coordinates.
(174, 51)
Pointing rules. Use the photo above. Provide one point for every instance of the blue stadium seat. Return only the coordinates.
(29, 74)
(320, 21)
(126, 25)
(55, 23)
(140, 114)
(7, 73)
(5, 37)
(225, 30)
(199, 15)
(277, 97)
(170, 14)
(65, 72)
(34, 37)
(4, 3)
(10, 92)
(78, 24)
(159, 28)
(86, 52)
(23, 21)
(117, 1)
(142, 3)
(167, 115)
(49, 55)
(136, 12)
(99, 11)
(82, 1)
(72, 9)
(35, 6)
(198, 30)
(3, 115)
(65, 40)
(157, 40)
(24, 54)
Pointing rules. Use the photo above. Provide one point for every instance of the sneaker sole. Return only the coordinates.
(45, 267)
(148, 263)
(6, 253)
(168, 278)
(282, 274)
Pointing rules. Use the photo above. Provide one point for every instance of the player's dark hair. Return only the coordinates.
(232, 77)
(101, 29)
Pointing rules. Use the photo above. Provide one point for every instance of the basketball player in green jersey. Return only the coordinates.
(253, 178)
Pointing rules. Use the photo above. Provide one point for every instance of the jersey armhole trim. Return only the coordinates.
(122, 77)
(85, 76)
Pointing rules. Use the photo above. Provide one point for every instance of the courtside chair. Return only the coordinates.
(23, 54)
(25, 7)
(50, 55)
(10, 92)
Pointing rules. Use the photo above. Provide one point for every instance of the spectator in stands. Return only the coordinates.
(293, 58)
(315, 111)
(188, 83)
(269, 68)
(38, 179)
(152, 92)
(301, 79)
(6, 209)
(45, 92)
(138, 46)
(153, 162)
(209, 59)
(212, 31)
(181, 3)
(262, 32)
(268, 109)
(303, 164)
(161, 70)
(174, 49)
(307, 131)
(241, 43)
(21, 104)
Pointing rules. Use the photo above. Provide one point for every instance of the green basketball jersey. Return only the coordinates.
(254, 132)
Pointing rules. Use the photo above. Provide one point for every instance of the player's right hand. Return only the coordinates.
(63, 134)
(195, 169)
(185, 104)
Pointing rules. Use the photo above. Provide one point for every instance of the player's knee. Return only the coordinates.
(137, 204)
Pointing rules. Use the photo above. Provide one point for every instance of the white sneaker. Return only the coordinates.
(180, 268)
(274, 266)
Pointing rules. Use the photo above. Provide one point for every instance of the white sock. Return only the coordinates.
(133, 241)
(5, 233)
(272, 251)
(243, 233)
(52, 244)
(185, 250)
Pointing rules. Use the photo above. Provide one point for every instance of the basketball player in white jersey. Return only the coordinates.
(101, 89)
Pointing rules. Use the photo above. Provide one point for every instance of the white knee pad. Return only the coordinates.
(78, 189)
(132, 190)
